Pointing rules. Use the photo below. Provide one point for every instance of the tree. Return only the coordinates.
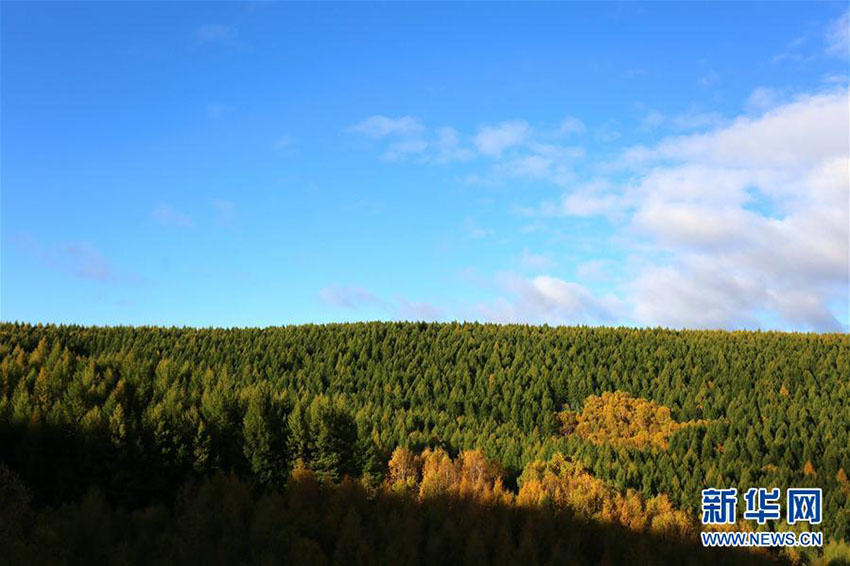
(302, 442)
(264, 431)
(439, 474)
(404, 469)
(336, 440)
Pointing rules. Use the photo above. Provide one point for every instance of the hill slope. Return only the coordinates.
(136, 411)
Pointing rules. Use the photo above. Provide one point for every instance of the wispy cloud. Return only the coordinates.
(473, 230)
(211, 33)
(763, 98)
(736, 221)
(79, 259)
(353, 297)
(572, 125)
(547, 299)
(535, 262)
(382, 126)
(510, 149)
(709, 79)
(792, 52)
(835, 79)
(684, 121)
(448, 147)
(607, 132)
(418, 311)
(282, 142)
(743, 221)
(167, 215)
(404, 148)
(594, 270)
(494, 140)
(83, 260)
(594, 198)
(838, 35)
(403, 135)
(348, 297)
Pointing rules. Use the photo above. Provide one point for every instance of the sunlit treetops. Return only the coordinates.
(619, 419)
(140, 410)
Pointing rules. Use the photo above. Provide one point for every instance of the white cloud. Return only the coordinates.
(529, 167)
(513, 149)
(744, 223)
(546, 299)
(167, 215)
(747, 223)
(837, 42)
(589, 204)
(443, 145)
(682, 122)
(596, 198)
(449, 148)
(695, 297)
(594, 270)
(537, 162)
(687, 224)
(382, 126)
(797, 134)
(493, 140)
(763, 98)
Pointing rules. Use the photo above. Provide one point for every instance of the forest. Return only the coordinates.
(409, 442)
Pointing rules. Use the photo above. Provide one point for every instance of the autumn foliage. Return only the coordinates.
(137, 414)
(223, 520)
(433, 473)
(622, 420)
(562, 483)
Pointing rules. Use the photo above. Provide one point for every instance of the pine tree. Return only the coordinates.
(265, 437)
(336, 441)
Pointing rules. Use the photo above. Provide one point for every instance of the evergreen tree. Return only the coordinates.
(265, 435)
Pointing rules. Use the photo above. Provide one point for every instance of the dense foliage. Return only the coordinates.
(137, 411)
(222, 520)
(621, 420)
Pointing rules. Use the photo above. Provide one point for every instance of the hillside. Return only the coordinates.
(138, 412)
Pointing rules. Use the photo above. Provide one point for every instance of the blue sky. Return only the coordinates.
(253, 164)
